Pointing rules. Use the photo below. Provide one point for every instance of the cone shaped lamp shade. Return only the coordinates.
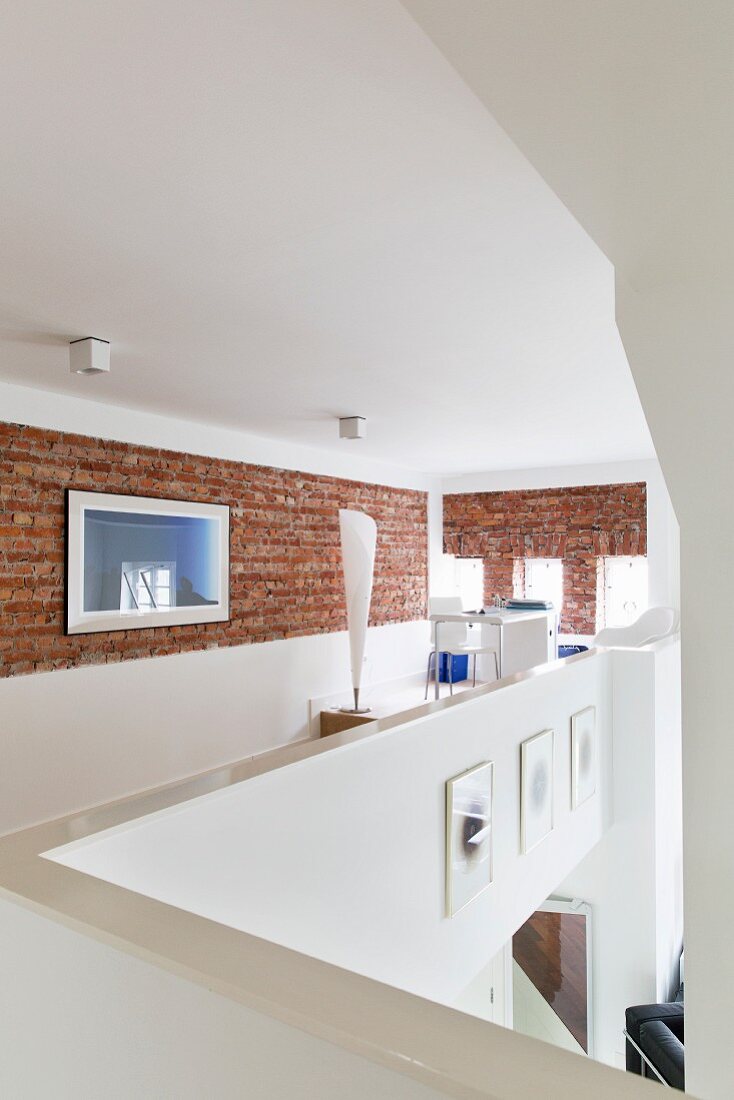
(358, 537)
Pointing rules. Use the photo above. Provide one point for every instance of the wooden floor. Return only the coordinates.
(551, 949)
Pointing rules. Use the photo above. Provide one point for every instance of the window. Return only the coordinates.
(470, 582)
(624, 591)
(147, 586)
(544, 580)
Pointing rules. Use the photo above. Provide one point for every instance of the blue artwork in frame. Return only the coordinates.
(135, 562)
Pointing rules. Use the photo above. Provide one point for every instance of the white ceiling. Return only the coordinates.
(280, 212)
(626, 110)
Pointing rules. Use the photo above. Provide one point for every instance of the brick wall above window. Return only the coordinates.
(285, 569)
(578, 525)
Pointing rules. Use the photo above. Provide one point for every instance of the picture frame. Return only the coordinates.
(469, 848)
(135, 562)
(536, 789)
(583, 756)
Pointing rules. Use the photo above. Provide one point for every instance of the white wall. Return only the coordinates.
(315, 856)
(79, 737)
(436, 585)
(679, 340)
(663, 540)
(80, 1020)
(668, 822)
(633, 878)
(58, 412)
(342, 856)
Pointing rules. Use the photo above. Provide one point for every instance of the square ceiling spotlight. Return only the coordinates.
(352, 427)
(89, 356)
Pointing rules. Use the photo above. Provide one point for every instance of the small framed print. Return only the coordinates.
(468, 836)
(536, 789)
(583, 756)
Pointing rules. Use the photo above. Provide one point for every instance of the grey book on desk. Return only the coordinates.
(528, 605)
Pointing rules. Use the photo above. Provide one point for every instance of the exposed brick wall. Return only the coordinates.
(285, 572)
(579, 525)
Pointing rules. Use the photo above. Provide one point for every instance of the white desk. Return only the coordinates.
(526, 638)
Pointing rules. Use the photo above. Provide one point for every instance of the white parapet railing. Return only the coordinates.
(306, 889)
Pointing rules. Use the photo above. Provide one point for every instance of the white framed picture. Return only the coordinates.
(536, 789)
(468, 836)
(583, 755)
(134, 562)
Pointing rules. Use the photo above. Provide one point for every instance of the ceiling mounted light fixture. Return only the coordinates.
(89, 356)
(352, 427)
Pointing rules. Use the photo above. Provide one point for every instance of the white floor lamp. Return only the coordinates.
(358, 537)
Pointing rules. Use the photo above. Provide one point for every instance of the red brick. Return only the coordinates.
(577, 524)
(285, 576)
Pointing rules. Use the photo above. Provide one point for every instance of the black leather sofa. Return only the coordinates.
(655, 1042)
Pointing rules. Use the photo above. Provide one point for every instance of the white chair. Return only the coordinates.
(651, 626)
(452, 640)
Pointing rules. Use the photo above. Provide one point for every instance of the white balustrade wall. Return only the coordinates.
(341, 856)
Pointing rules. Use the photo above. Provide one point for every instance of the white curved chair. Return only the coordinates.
(656, 623)
(453, 639)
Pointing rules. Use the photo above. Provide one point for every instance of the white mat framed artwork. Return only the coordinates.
(536, 789)
(468, 836)
(583, 755)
